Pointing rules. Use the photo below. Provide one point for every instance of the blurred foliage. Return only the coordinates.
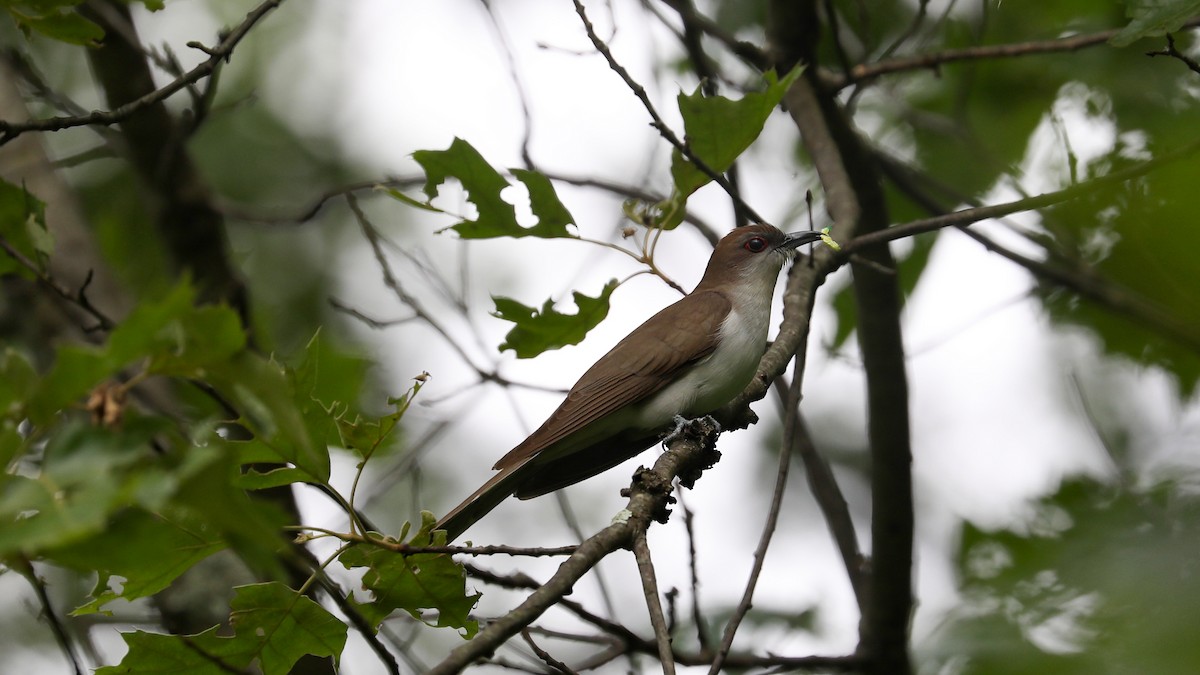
(1140, 236)
(59, 20)
(1103, 579)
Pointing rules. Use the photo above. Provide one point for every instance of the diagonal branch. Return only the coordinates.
(933, 60)
(648, 498)
(662, 634)
(744, 209)
(217, 55)
(974, 215)
(1105, 292)
(791, 416)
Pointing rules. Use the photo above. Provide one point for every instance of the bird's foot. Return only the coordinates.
(696, 425)
(680, 422)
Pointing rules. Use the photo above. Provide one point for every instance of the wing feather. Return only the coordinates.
(643, 363)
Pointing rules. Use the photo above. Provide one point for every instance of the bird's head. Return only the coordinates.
(753, 253)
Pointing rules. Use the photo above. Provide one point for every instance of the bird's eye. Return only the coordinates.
(755, 244)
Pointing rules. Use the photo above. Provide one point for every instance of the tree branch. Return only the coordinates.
(1174, 53)
(662, 635)
(1103, 291)
(854, 199)
(869, 71)
(974, 215)
(648, 498)
(791, 412)
(217, 54)
(657, 122)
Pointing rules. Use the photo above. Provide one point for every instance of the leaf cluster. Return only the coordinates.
(96, 482)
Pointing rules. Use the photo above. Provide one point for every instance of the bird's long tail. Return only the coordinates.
(480, 503)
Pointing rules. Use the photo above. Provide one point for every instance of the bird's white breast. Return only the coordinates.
(719, 377)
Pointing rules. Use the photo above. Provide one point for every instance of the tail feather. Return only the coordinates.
(480, 503)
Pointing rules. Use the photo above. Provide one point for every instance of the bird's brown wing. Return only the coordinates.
(643, 363)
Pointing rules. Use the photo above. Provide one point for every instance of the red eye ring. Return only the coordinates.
(755, 245)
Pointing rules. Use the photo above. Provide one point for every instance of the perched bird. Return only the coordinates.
(689, 359)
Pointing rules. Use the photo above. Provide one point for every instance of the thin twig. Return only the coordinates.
(662, 635)
(702, 638)
(974, 215)
(746, 51)
(1098, 289)
(369, 321)
(25, 568)
(657, 121)
(867, 71)
(393, 284)
(1171, 51)
(545, 656)
(515, 75)
(791, 415)
(822, 483)
(217, 54)
(406, 549)
(78, 299)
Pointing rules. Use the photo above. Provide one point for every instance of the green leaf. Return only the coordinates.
(65, 25)
(200, 654)
(171, 334)
(1154, 18)
(718, 130)
(265, 395)
(254, 479)
(497, 218)
(17, 380)
(146, 550)
(84, 479)
(273, 628)
(414, 582)
(203, 336)
(365, 435)
(553, 217)
(23, 227)
(76, 370)
(279, 626)
(538, 331)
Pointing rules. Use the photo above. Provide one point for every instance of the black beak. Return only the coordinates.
(794, 239)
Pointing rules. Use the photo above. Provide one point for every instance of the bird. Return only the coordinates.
(688, 360)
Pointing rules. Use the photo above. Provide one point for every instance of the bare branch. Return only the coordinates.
(658, 123)
(648, 495)
(933, 60)
(662, 635)
(1092, 286)
(545, 656)
(974, 215)
(25, 568)
(217, 55)
(791, 414)
(1172, 52)
(76, 298)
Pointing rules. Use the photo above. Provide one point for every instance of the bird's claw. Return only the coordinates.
(681, 424)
